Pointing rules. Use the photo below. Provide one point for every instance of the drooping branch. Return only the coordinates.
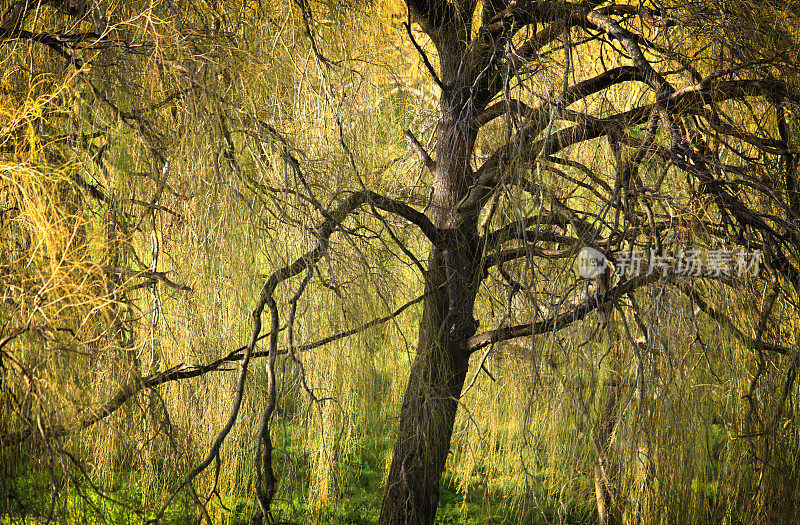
(425, 60)
(304, 263)
(180, 372)
(331, 224)
(725, 322)
(264, 460)
(688, 100)
(559, 321)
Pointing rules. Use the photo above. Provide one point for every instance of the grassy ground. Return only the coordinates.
(27, 498)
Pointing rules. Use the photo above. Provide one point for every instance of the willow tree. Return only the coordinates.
(486, 53)
(560, 125)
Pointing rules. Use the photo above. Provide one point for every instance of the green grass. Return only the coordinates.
(357, 502)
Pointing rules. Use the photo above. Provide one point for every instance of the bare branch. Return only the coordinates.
(179, 372)
(420, 150)
(557, 322)
(725, 322)
(686, 100)
(424, 55)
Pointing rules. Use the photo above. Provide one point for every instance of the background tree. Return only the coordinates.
(164, 159)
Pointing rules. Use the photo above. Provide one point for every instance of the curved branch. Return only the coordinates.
(557, 322)
(686, 100)
(420, 150)
(726, 323)
(183, 371)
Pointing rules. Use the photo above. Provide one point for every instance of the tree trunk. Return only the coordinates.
(440, 368)
(426, 423)
(434, 386)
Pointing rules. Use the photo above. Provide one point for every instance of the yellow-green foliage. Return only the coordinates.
(175, 134)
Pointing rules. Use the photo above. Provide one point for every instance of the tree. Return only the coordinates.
(537, 152)
(477, 62)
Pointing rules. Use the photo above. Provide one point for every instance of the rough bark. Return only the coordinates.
(426, 419)
(439, 370)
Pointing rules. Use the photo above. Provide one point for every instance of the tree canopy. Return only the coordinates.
(353, 261)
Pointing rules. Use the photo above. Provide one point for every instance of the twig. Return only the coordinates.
(424, 55)
(420, 150)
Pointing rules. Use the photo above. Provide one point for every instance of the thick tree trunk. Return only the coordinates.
(436, 379)
(454, 271)
(434, 386)
(426, 423)
(440, 368)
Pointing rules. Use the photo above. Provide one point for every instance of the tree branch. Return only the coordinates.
(420, 150)
(557, 322)
(178, 372)
(725, 322)
(424, 55)
(685, 100)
